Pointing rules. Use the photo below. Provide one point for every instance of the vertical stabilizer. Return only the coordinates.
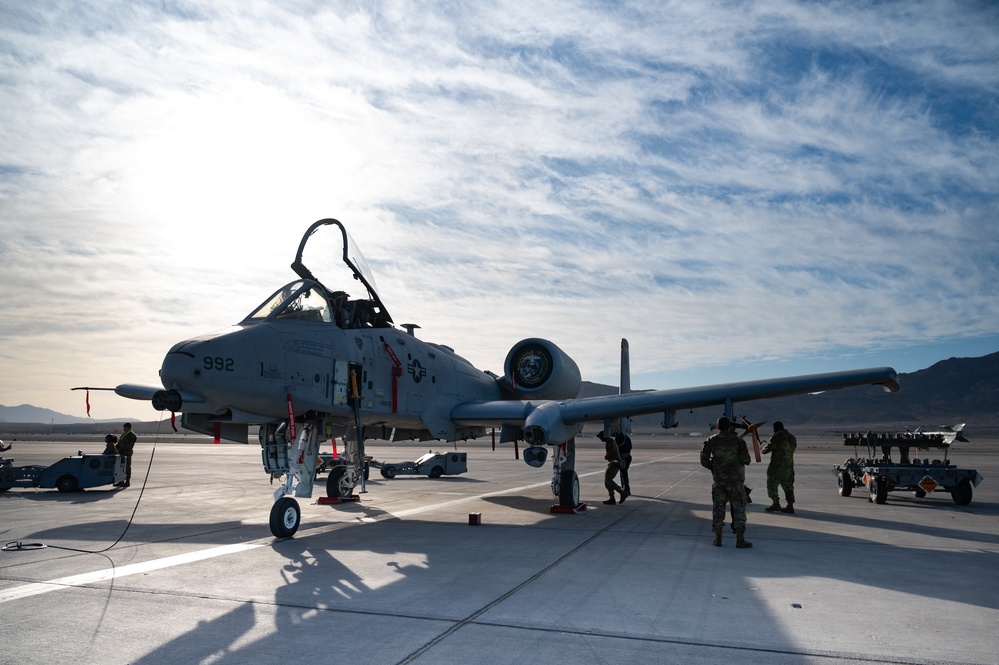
(625, 381)
(625, 368)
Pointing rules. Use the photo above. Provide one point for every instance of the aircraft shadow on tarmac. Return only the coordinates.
(108, 531)
(321, 591)
(527, 503)
(79, 496)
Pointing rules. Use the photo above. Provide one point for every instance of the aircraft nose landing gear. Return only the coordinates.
(297, 465)
(285, 517)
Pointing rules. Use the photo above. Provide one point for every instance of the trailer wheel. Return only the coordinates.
(285, 517)
(67, 483)
(436, 472)
(919, 494)
(879, 490)
(389, 472)
(845, 483)
(962, 493)
(568, 489)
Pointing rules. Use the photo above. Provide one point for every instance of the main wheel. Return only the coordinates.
(285, 517)
(845, 483)
(962, 493)
(336, 486)
(67, 483)
(568, 489)
(436, 472)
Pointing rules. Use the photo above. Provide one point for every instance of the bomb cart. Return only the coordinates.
(70, 474)
(914, 471)
(433, 465)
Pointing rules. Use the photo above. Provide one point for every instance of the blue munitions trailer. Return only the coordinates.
(70, 474)
(921, 475)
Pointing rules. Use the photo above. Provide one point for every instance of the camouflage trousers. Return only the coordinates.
(780, 476)
(725, 493)
(612, 469)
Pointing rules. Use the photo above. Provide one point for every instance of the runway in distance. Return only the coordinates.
(314, 362)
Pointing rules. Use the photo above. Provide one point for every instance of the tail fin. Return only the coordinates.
(625, 381)
(960, 436)
(625, 368)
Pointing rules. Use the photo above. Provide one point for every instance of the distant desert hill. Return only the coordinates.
(957, 390)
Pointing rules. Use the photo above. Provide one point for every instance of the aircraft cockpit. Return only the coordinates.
(303, 300)
(308, 300)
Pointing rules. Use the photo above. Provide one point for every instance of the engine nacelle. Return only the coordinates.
(537, 369)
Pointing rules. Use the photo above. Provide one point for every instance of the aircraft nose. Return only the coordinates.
(179, 365)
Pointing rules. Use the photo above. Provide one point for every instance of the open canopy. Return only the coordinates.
(328, 238)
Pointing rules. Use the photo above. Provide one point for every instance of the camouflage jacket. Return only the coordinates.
(781, 448)
(726, 455)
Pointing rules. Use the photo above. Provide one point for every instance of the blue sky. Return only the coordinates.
(743, 190)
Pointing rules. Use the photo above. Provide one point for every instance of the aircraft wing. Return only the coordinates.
(561, 418)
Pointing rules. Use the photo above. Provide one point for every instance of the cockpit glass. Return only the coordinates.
(324, 254)
(328, 255)
(301, 300)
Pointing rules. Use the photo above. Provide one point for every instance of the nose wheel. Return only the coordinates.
(286, 516)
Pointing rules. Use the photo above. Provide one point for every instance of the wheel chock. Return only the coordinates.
(334, 500)
(578, 508)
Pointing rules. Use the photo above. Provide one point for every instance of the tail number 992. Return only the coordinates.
(219, 364)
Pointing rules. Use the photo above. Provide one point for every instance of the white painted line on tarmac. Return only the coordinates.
(38, 588)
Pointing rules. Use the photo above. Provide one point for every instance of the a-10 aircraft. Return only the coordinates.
(313, 362)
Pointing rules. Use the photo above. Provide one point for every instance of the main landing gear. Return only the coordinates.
(565, 482)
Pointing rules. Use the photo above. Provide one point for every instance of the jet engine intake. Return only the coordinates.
(538, 369)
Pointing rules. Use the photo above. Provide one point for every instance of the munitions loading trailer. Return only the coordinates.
(70, 474)
(920, 475)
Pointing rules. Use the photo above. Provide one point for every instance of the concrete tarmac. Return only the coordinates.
(183, 568)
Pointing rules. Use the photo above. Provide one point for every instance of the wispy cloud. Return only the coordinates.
(723, 184)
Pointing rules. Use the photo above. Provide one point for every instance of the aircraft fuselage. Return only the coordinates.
(253, 369)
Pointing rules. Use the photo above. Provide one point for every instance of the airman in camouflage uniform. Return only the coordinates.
(780, 472)
(726, 455)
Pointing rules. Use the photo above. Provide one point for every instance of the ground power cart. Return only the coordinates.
(70, 474)
(432, 465)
